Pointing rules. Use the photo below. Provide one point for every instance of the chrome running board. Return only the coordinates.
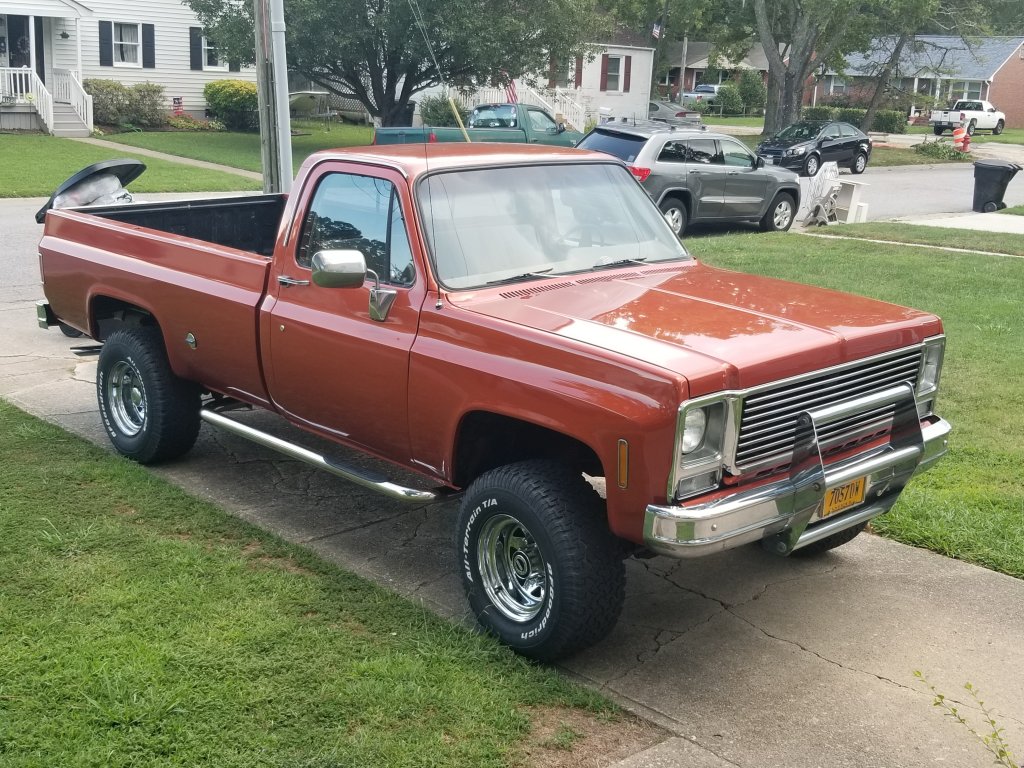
(371, 480)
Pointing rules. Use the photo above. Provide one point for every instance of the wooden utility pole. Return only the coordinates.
(272, 93)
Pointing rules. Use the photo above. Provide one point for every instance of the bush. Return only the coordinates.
(110, 101)
(940, 150)
(146, 105)
(852, 115)
(186, 122)
(818, 113)
(889, 121)
(437, 112)
(729, 99)
(233, 102)
(752, 90)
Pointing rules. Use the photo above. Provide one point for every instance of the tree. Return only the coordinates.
(797, 36)
(375, 51)
(752, 90)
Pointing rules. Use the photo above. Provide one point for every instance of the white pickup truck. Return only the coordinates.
(972, 113)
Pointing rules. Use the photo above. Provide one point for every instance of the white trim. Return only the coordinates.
(620, 73)
(205, 46)
(137, 64)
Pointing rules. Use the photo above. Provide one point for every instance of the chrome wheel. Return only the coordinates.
(860, 163)
(126, 395)
(512, 569)
(675, 219)
(783, 216)
(812, 166)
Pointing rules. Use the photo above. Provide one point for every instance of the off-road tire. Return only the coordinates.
(830, 542)
(999, 128)
(971, 126)
(541, 570)
(676, 214)
(860, 162)
(150, 415)
(780, 214)
(812, 166)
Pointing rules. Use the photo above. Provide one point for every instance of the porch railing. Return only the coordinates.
(68, 90)
(23, 86)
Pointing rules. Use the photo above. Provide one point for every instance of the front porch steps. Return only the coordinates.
(67, 123)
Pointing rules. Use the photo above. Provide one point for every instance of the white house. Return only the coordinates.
(48, 47)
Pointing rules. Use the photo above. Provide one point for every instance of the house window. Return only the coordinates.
(965, 89)
(127, 45)
(838, 85)
(211, 60)
(614, 70)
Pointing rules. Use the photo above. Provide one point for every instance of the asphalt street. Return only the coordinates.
(749, 660)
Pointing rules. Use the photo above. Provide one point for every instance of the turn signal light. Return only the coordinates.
(640, 173)
(432, 138)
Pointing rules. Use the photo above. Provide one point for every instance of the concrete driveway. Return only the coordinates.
(748, 659)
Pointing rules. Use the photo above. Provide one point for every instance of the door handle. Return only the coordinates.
(734, 173)
(285, 280)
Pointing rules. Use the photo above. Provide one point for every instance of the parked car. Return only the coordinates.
(704, 92)
(673, 114)
(805, 145)
(972, 114)
(504, 123)
(698, 176)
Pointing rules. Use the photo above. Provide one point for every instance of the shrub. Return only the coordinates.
(110, 101)
(889, 121)
(233, 102)
(186, 122)
(146, 105)
(752, 90)
(853, 115)
(729, 99)
(940, 150)
(818, 113)
(436, 111)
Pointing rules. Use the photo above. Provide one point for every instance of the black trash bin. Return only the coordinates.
(990, 180)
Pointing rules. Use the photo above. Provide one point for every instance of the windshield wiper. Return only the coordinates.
(620, 263)
(523, 276)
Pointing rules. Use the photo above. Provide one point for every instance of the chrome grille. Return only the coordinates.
(768, 424)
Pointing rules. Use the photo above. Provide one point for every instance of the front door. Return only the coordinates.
(706, 176)
(16, 46)
(746, 184)
(329, 365)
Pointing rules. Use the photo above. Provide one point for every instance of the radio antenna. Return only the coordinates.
(418, 16)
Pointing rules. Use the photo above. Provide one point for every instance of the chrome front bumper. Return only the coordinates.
(787, 513)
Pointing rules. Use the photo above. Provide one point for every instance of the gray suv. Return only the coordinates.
(699, 176)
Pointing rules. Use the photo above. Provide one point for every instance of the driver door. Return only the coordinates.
(328, 364)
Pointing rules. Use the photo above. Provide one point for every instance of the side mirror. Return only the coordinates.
(758, 161)
(561, 128)
(339, 269)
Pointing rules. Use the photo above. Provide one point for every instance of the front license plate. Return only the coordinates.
(844, 497)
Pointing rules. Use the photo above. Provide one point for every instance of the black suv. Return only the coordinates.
(699, 176)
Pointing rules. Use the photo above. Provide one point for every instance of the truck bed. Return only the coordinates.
(248, 223)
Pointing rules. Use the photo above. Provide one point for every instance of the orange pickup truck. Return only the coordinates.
(519, 326)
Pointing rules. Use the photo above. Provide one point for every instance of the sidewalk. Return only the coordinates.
(127, 148)
(986, 222)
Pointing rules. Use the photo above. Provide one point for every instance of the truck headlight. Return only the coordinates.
(929, 373)
(700, 438)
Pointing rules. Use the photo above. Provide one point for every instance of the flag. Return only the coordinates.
(656, 31)
(510, 88)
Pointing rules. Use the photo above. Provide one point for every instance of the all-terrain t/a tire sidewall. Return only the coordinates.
(583, 570)
(168, 408)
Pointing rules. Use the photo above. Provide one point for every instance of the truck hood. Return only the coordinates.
(715, 328)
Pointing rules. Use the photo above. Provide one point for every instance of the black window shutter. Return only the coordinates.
(106, 43)
(148, 46)
(195, 47)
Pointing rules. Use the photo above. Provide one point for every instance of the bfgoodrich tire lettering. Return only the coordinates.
(149, 414)
(540, 568)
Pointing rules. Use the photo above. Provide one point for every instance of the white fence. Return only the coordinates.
(67, 90)
(23, 86)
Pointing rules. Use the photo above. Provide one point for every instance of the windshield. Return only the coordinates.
(704, 89)
(495, 224)
(493, 116)
(803, 130)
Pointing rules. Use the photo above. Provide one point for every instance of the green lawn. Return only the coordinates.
(242, 150)
(142, 627)
(1017, 210)
(970, 505)
(994, 242)
(749, 122)
(43, 162)
(1008, 136)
